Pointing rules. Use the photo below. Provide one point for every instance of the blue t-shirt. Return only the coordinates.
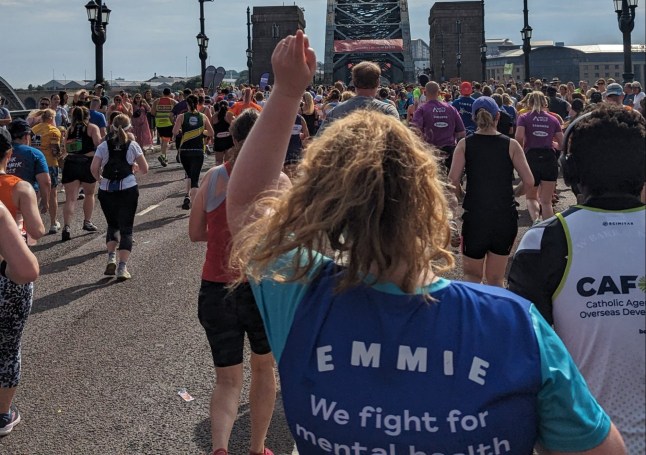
(475, 369)
(98, 119)
(464, 104)
(27, 162)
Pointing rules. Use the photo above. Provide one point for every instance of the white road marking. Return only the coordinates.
(149, 209)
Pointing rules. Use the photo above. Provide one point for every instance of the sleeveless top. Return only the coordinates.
(192, 132)
(162, 115)
(222, 141)
(117, 168)
(218, 245)
(7, 184)
(78, 141)
(490, 174)
(599, 311)
(295, 143)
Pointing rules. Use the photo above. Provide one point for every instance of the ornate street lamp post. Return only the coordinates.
(203, 45)
(625, 10)
(526, 33)
(202, 42)
(249, 49)
(99, 16)
(458, 61)
(483, 46)
(483, 60)
(443, 61)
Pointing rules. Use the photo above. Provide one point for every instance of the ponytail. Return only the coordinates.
(484, 119)
(120, 125)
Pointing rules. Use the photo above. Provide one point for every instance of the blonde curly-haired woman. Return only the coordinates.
(374, 349)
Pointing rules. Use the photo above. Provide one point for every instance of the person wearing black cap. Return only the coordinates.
(585, 268)
(490, 220)
(28, 162)
(555, 104)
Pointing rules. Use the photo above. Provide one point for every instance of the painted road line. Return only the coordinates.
(149, 209)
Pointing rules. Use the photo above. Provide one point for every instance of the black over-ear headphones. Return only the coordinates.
(570, 170)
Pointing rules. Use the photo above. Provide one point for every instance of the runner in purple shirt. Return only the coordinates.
(540, 135)
(439, 123)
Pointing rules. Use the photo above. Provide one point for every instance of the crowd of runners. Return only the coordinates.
(329, 205)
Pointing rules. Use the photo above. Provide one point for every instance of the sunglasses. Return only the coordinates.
(44, 104)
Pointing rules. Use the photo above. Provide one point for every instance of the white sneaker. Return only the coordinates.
(54, 228)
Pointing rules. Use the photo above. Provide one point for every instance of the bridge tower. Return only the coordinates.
(378, 31)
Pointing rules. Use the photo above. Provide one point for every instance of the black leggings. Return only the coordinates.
(119, 208)
(192, 161)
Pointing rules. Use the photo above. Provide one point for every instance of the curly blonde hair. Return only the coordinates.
(369, 192)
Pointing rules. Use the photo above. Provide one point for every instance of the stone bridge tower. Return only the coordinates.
(373, 30)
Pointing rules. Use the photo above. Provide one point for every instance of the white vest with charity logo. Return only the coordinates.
(600, 314)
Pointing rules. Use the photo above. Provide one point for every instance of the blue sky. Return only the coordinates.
(46, 38)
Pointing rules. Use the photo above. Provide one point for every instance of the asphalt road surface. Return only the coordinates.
(103, 361)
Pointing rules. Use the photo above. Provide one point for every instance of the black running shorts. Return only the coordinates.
(485, 232)
(544, 165)
(226, 317)
(165, 132)
(77, 167)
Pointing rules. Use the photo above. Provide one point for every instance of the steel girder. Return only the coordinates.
(368, 21)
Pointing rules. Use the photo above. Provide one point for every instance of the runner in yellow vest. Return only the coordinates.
(162, 110)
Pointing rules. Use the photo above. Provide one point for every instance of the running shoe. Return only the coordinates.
(122, 272)
(187, 204)
(8, 421)
(162, 160)
(81, 196)
(54, 228)
(111, 266)
(89, 226)
(456, 239)
(66, 234)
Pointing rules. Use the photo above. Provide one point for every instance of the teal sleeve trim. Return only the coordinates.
(570, 419)
(278, 301)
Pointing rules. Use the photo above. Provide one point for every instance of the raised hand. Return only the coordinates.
(294, 64)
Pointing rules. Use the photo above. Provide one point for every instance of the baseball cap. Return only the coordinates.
(466, 89)
(18, 128)
(487, 103)
(5, 140)
(614, 89)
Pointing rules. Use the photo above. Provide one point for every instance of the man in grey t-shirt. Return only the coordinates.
(365, 78)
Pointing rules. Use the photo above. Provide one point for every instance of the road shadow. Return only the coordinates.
(69, 295)
(49, 240)
(279, 439)
(64, 264)
(153, 224)
(156, 184)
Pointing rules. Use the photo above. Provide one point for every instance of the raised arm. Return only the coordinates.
(259, 164)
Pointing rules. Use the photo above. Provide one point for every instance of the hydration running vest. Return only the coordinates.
(117, 168)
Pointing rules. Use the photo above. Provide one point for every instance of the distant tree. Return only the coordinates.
(30, 87)
(243, 77)
(143, 87)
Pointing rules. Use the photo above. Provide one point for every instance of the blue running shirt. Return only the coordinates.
(375, 371)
